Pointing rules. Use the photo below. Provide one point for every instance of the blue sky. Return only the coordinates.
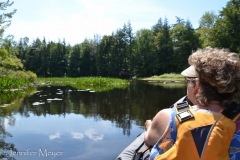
(76, 20)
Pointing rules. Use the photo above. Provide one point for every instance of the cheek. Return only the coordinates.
(190, 93)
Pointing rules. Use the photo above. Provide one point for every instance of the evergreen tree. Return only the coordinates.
(22, 48)
(144, 55)
(33, 56)
(45, 59)
(114, 58)
(118, 59)
(104, 56)
(130, 38)
(85, 63)
(157, 27)
(93, 57)
(124, 47)
(59, 62)
(74, 61)
(185, 41)
(164, 51)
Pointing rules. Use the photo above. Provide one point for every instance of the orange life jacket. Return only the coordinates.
(216, 132)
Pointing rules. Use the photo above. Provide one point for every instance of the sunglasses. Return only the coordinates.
(190, 79)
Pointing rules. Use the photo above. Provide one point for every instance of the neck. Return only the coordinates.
(213, 106)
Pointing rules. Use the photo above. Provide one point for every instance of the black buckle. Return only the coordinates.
(138, 156)
(184, 116)
(232, 110)
(182, 106)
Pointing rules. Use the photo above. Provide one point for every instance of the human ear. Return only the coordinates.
(196, 88)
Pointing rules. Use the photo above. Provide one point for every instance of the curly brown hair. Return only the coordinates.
(219, 74)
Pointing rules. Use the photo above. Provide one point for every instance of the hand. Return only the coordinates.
(147, 124)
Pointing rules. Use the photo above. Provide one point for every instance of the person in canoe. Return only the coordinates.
(205, 125)
(209, 129)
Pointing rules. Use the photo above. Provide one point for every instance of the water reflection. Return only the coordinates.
(77, 135)
(53, 136)
(138, 102)
(9, 104)
(93, 134)
(82, 124)
(6, 147)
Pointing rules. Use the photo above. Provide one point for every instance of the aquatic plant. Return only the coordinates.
(93, 83)
(9, 84)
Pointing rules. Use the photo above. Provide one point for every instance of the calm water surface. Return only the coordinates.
(67, 124)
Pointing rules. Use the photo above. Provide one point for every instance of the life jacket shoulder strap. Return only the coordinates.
(183, 112)
(232, 111)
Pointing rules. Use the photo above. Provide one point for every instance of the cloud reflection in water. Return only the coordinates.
(53, 136)
(93, 134)
(77, 135)
(90, 133)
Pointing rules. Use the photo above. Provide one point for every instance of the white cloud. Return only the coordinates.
(94, 135)
(77, 135)
(53, 136)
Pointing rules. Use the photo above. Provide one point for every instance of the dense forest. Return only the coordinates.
(163, 48)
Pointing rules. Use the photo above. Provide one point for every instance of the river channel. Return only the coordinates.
(67, 124)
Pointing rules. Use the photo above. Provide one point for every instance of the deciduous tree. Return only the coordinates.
(5, 18)
(226, 32)
(206, 24)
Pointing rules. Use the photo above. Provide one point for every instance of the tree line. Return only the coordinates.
(164, 48)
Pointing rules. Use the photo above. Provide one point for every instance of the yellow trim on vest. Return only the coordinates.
(236, 118)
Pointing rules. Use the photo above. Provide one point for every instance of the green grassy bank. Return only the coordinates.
(94, 83)
(164, 77)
